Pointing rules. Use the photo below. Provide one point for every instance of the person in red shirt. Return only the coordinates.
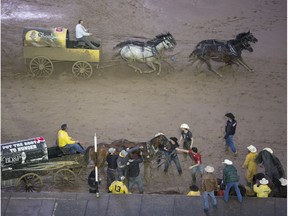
(198, 167)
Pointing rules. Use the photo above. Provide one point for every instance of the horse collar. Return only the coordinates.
(232, 50)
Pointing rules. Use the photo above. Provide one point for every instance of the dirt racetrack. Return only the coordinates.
(119, 103)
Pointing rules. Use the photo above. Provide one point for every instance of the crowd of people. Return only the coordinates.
(123, 170)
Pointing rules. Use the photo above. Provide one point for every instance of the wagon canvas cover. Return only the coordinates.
(23, 151)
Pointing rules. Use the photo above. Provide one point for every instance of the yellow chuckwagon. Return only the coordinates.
(43, 47)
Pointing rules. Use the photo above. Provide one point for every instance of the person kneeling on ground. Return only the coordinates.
(194, 191)
(66, 143)
(118, 187)
(263, 189)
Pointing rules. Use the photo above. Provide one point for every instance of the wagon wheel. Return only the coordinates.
(29, 182)
(82, 70)
(41, 67)
(64, 177)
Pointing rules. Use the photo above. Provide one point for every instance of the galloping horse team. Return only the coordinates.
(151, 52)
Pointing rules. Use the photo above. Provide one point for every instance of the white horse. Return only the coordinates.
(149, 52)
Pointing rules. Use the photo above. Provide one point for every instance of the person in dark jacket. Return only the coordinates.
(134, 172)
(112, 167)
(171, 155)
(231, 179)
(186, 138)
(230, 130)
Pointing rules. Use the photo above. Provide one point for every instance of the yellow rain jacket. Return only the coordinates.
(251, 166)
(64, 139)
(262, 191)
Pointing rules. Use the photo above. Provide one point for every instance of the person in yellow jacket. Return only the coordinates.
(194, 191)
(66, 142)
(118, 187)
(250, 164)
(262, 190)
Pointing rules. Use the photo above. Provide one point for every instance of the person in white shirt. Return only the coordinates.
(82, 34)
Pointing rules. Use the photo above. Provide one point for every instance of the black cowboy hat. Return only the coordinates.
(174, 139)
(230, 115)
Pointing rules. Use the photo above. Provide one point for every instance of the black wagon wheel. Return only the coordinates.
(41, 67)
(82, 70)
(29, 182)
(64, 177)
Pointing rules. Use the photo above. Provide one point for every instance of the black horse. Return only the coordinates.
(228, 52)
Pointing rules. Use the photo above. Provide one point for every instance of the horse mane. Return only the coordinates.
(242, 35)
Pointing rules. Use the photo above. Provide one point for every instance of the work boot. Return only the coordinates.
(226, 149)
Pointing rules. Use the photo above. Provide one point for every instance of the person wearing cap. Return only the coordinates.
(118, 186)
(112, 166)
(198, 167)
(171, 155)
(134, 176)
(262, 190)
(250, 164)
(186, 138)
(231, 179)
(209, 186)
(66, 143)
(123, 160)
(230, 130)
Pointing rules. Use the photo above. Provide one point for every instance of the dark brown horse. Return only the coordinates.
(149, 151)
(228, 52)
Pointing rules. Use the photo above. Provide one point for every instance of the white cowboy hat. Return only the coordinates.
(123, 153)
(209, 169)
(158, 134)
(269, 150)
(184, 126)
(111, 150)
(283, 181)
(264, 181)
(228, 162)
(252, 148)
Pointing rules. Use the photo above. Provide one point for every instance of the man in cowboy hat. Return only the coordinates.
(112, 166)
(263, 189)
(231, 179)
(123, 160)
(209, 185)
(186, 138)
(250, 164)
(171, 155)
(230, 130)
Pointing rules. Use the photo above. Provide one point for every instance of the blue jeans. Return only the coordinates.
(74, 148)
(196, 169)
(175, 159)
(206, 201)
(230, 143)
(138, 181)
(227, 190)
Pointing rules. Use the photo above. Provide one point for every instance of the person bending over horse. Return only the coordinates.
(66, 143)
(123, 161)
(171, 155)
(112, 166)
